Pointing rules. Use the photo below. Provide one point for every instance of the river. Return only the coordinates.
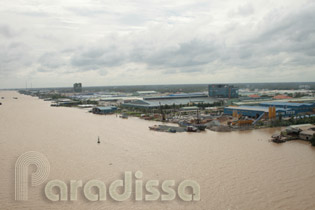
(235, 170)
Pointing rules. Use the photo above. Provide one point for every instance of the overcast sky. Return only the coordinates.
(55, 43)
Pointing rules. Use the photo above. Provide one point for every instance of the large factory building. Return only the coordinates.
(222, 91)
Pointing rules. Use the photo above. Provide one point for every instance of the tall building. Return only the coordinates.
(77, 87)
(223, 91)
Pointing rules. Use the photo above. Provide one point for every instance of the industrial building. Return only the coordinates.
(258, 111)
(170, 100)
(157, 102)
(222, 91)
(104, 110)
(147, 92)
(178, 96)
(77, 87)
(256, 102)
(298, 108)
(285, 109)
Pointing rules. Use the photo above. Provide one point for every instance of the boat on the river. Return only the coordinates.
(277, 138)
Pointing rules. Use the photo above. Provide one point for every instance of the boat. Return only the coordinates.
(200, 127)
(124, 116)
(15, 97)
(191, 129)
(183, 123)
(154, 127)
(277, 138)
(171, 130)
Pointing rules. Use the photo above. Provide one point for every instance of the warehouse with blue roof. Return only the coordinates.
(104, 109)
(285, 109)
(256, 111)
(298, 108)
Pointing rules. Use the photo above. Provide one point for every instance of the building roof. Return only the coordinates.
(188, 94)
(189, 108)
(105, 108)
(177, 95)
(286, 104)
(147, 92)
(176, 101)
(258, 101)
(254, 96)
(213, 108)
(301, 125)
(255, 108)
(281, 97)
(251, 108)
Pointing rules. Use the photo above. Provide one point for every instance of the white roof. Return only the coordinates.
(251, 108)
(302, 125)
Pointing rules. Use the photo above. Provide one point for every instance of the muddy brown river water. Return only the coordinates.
(235, 170)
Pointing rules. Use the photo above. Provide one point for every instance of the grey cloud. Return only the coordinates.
(7, 31)
(243, 10)
(192, 70)
(97, 57)
(34, 14)
(82, 11)
(51, 60)
(246, 9)
(293, 27)
(177, 37)
(133, 19)
(14, 56)
(43, 69)
(288, 40)
(192, 53)
(293, 34)
(280, 39)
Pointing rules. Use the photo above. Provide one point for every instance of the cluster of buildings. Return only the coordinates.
(170, 100)
(254, 108)
(258, 107)
(285, 109)
(215, 93)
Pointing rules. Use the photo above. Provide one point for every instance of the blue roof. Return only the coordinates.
(287, 104)
(188, 94)
(179, 95)
(249, 108)
(255, 108)
(105, 107)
